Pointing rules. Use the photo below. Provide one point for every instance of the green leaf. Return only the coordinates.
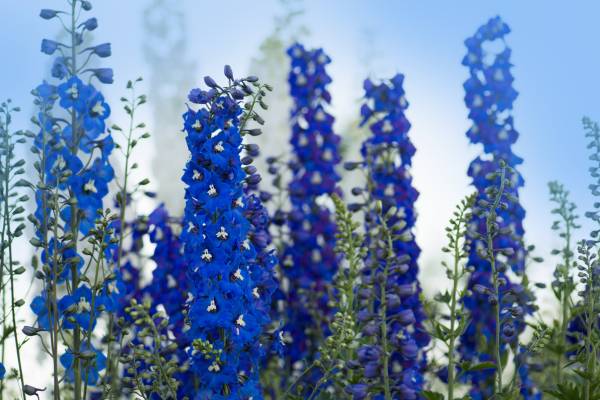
(429, 395)
(482, 366)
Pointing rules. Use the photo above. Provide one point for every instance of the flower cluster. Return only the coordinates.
(309, 261)
(226, 312)
(73, 148)
(391, 312)
(489, 97)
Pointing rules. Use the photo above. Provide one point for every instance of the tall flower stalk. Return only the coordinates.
(489, 97)
(11, 212)
(392, 314)
(72, 150)
(225, 316)
(309, 261)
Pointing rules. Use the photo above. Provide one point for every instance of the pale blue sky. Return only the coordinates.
(554, 51)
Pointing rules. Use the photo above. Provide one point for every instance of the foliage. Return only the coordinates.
(287, 293)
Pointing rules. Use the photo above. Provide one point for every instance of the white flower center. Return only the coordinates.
(83, 305)
(171, 282)
(206, 256)
(240, 321)
(246, 244)
(255, 293)
(239, 203)
(316, 178)
(191, 226)
(281, 338)
(90, 187)
(238, 275)
(214, 367)
(112, 287)
(197, 175)
(212, 306)
(98, 108)
(320, 116)
(219, 147)
(301, 80)
(197, 126)
(387, 126)
(222, 234)
(212, 191)
(73, 91)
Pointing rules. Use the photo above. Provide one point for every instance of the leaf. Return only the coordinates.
(482, 366)
(429, 395)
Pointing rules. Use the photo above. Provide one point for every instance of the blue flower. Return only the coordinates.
(49, 46)
(390, 183)
(102, 50)
(74, 94)
(90, 24)
(81, 308)
(91, 365)
(59, 68)
(104, 75)
(39, 305)
(96, 113)
(219, 252)
(489, 95)
(309, 261)
(48, 14)
(2, 371)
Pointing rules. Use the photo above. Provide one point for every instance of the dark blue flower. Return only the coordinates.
(390, 183)
(48, 14)
(489, 95)
(358, 391)
(309, 261)
(104, 75)
(102, 50)
(90, 24)
(49, 46)
(59, 68)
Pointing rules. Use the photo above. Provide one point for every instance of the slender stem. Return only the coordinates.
(590, 352)
(75, 211)
(2, 267)
(490, 220)
(383, 308)
(7, 219)
(565, 301)
(112, 364)
(453, 304)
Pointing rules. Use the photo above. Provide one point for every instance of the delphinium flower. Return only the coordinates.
(224, 317)
(309, 261)
(72, 148)
(392, 314)
(489, 97)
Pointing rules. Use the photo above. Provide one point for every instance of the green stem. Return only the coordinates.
(75, 211)
(490, 220)
(453, 304)
(590, 353)
(383, 309)
(565, 302)
(7, 218)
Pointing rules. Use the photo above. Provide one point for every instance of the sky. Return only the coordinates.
(555, 67)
